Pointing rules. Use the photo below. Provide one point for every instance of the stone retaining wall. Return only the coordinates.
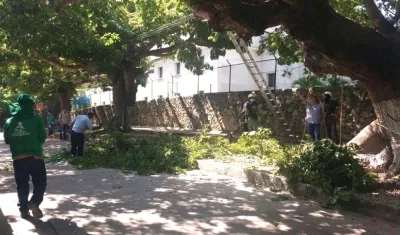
(222, 111)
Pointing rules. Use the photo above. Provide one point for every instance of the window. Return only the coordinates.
(202, 59)
(160, 72)
(271, 79)
(178, 68)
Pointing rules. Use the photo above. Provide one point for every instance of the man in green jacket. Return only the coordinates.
(25, 132)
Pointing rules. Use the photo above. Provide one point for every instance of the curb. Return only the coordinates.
(259, 178)
(265, 179)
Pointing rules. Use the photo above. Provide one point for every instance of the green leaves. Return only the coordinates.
(327, 166)
(280, 43)
(317, 81)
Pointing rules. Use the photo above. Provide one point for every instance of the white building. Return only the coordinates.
(229, 74)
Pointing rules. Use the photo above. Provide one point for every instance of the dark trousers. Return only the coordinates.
(314, 130)
(35, 168)
(331, 129)
(51, 129)
(77, 143)
(63, 131)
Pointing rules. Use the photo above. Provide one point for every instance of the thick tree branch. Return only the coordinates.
(167, 51)
(202, 43)
(59, 64)
(354, 50)
(396, 16)
(379, 21)
(228, 15)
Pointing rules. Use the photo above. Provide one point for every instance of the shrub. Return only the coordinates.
(325, 165)
(205, 146)
(260, 144)
(150, 155)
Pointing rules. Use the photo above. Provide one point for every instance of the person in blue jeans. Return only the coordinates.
(314, 115)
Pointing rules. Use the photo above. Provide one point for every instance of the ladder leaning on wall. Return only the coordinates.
(260, 81)
(248, 60)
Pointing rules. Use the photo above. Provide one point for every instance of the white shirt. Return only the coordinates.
(81, 123)
(64, 117)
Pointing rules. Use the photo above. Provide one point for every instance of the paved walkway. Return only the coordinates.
(107, 202)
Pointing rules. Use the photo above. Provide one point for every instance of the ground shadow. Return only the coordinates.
(194, 121)
(104, 201)
(5, 227)
(175, 116)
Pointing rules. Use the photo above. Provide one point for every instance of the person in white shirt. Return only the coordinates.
(80, 124)
(64, 119)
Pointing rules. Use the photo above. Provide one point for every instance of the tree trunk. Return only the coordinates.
(130, 93)
(386, 101)
(374, 148)
(119, 98)
(332, 44)
(65, 100)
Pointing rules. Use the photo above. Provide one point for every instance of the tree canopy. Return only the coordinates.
(69, 42)
(98, 34)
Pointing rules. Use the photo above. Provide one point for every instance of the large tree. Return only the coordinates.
(100, 36)
(358, 39)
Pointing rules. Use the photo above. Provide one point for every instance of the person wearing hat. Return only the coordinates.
(250, 111)
(330, 116)
(25, 133)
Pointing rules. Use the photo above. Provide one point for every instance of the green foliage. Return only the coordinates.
(316, 81)
(303, 82)
(205, 146)
(325, 165)
(322, 164)
(145, 155)
(75, 42)
(260, 144)
(280, 43)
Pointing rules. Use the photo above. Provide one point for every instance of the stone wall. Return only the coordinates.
(222, 111)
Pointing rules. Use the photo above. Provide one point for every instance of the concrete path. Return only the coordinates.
(107, 202)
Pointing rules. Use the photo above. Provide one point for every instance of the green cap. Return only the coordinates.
(25, 99)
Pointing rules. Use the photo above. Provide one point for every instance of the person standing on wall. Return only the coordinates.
(64, 119)
(314, 114)
(331, 115)
(25, 133)
(251, 113)
(244, 116)
(80, 124)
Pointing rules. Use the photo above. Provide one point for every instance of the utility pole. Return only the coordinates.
(230, 75)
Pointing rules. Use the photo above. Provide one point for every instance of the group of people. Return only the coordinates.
(25, 133)
(317, 113)
(321, 113)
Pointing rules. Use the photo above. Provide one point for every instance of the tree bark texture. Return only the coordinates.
(332, 44)
(131, 87)
(119, 97)
(65, 100)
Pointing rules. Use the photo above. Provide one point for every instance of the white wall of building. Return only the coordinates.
(99, 97)
(186, 83)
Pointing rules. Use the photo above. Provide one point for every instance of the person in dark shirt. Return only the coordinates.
(251, 113)
(331, 116)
